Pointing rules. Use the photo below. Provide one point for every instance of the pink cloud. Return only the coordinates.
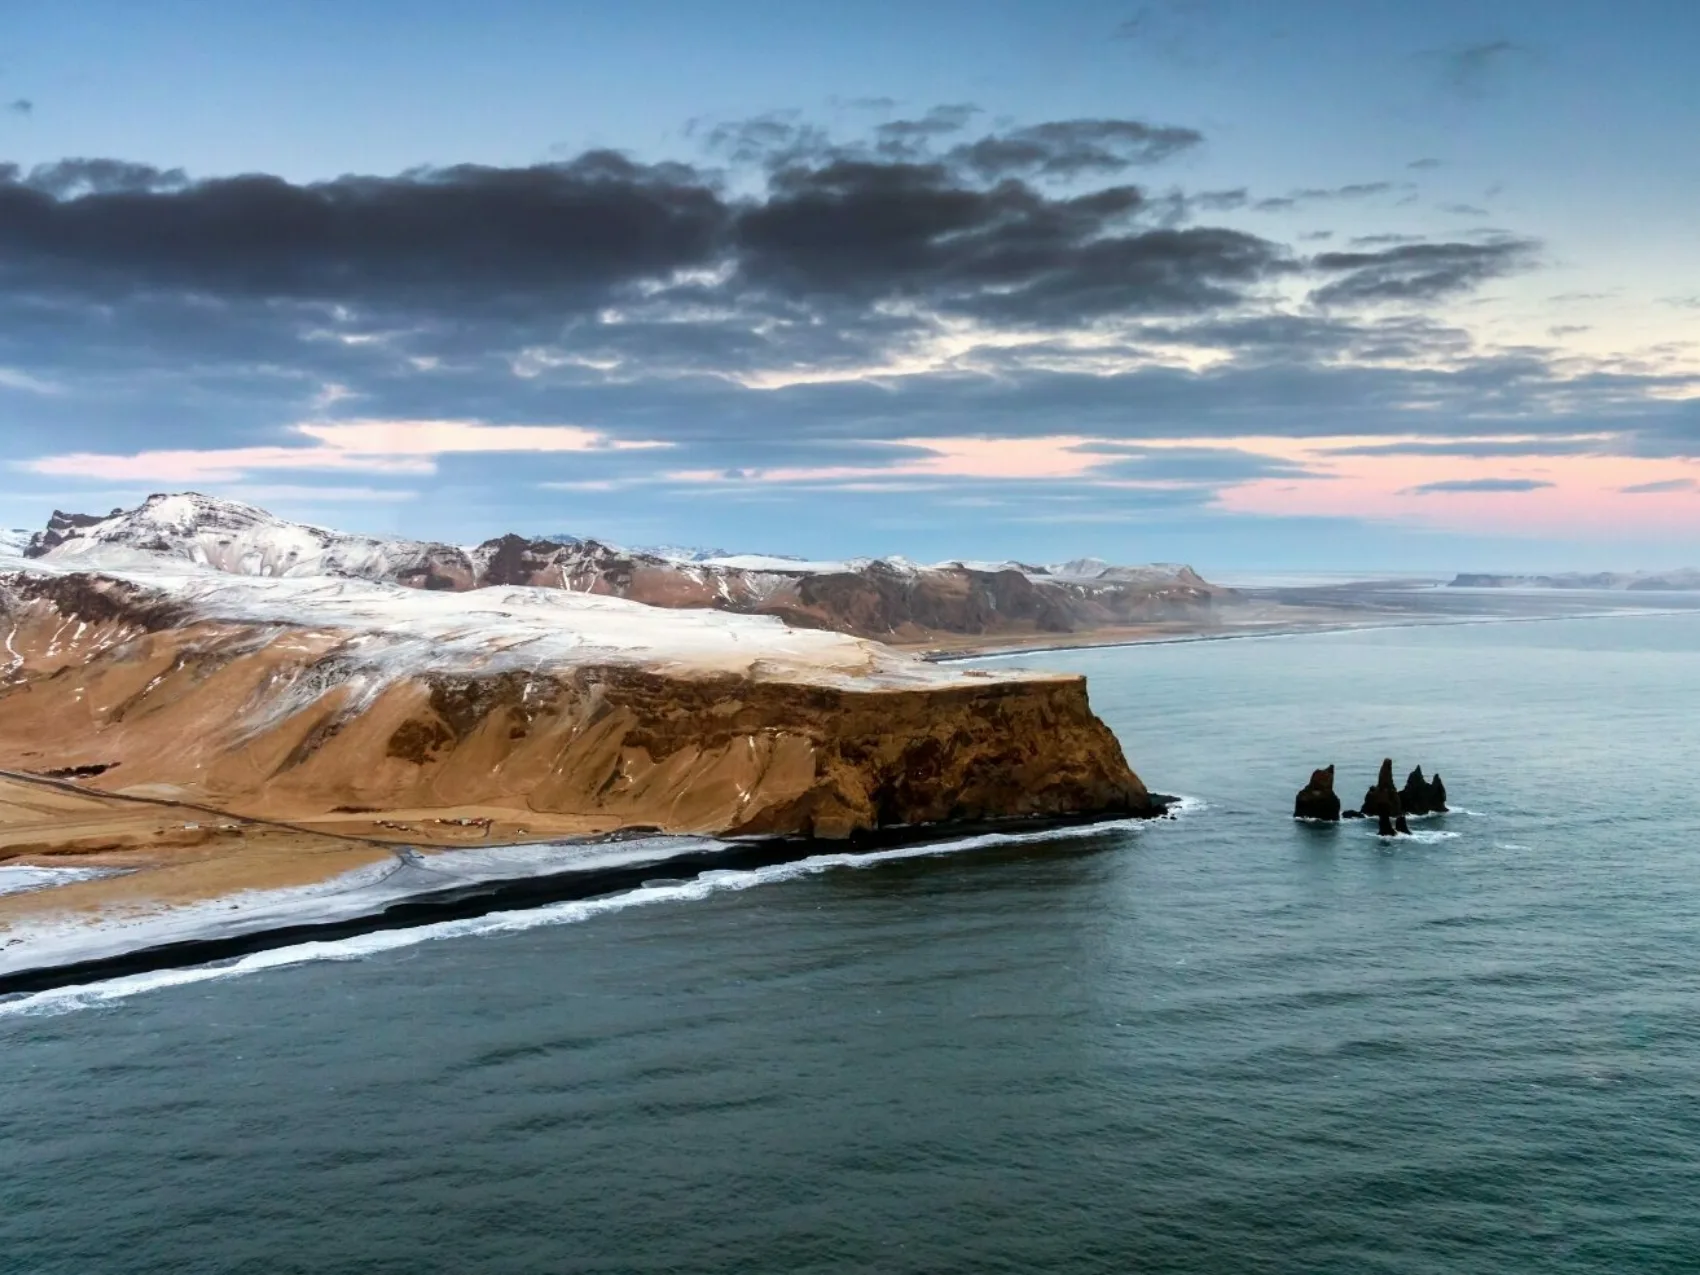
(358, 446)
(1537, 495)
(1052, 457)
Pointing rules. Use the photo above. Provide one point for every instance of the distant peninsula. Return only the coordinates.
(1682, 580)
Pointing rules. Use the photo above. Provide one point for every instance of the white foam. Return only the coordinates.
(67, 999)
(1420, 836)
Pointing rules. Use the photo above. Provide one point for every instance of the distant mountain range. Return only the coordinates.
(884, 598)
(1681, 580)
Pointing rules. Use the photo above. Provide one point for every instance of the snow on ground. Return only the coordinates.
(15, 879)
(241, 539)
(233, 537)
(403, 632)
(776, 563)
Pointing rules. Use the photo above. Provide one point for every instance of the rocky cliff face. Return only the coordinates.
(290, 701)
(888, 600)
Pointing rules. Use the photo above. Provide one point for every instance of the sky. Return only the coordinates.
(1321, 285)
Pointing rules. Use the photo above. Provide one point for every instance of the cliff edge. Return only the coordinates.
(374, 710)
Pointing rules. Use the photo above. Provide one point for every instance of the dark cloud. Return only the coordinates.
(1418, 272)
(1322, 194)
(772, 139)
(1669, 484)
(1464, 210)
(1423, 164)
(1220, 200)
(105, 228)
(1477, 484)
(1073, 148)
(941, 121)
(21, 106)
(1382, 240)
(1063, 150)
(69, 178)
(861, 230)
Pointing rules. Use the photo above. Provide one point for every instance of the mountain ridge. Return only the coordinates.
(890, 599)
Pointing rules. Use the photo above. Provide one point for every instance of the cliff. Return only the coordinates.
(430, 717)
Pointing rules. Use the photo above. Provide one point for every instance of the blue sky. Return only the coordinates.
(1323, 285)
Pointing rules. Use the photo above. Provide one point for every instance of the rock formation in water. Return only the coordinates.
(1382, 803)
(369, 706)
(1423, 797)
(1317, 799)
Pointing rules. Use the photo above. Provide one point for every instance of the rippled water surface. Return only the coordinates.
(1223, 1044)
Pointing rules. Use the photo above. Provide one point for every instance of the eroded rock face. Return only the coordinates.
(60, 528)
(1317, 799)
(1423, 797)
(290, 721)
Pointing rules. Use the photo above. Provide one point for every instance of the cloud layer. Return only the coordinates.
(939, 304)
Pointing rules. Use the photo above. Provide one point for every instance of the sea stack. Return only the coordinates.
(1382, 801)
(1318, 800)
(1423, 797)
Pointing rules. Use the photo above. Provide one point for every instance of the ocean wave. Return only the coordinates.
(1420, 836)
(704, 885)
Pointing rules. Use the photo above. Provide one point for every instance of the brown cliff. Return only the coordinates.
(289, 717)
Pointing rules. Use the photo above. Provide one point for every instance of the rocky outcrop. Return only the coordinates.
(1423, 797)
(62, 527)
(1382, 803)
(1317, 799)
(241, 701)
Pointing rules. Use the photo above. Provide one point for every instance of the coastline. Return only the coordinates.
(435, 893)
(1179, 633)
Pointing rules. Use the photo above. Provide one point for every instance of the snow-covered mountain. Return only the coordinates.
(889, 598)
(227, 536)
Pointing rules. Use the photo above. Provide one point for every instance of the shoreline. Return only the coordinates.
(1112, 639)
(428, 895)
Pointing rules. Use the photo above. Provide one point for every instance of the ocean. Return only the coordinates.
(1226, 1043)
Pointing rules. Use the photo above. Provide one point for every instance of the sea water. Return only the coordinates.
(1224, 1043)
